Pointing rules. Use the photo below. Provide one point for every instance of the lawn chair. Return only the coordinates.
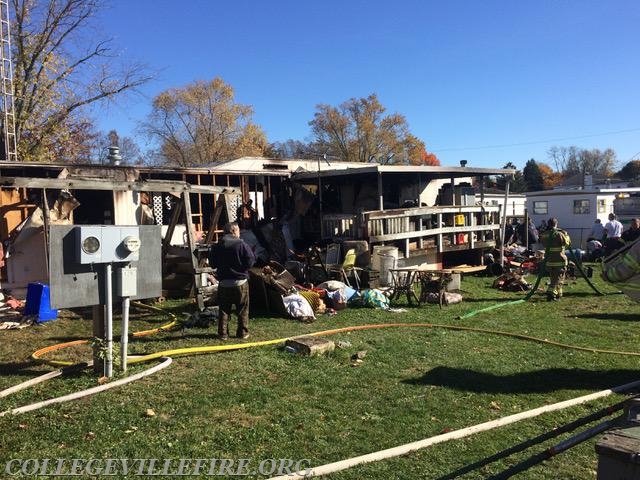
(346, 269)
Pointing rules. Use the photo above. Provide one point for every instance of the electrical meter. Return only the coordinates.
(131, 243)
(107, 244)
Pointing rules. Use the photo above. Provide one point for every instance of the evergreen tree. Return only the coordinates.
(517, 184)
(533, 176)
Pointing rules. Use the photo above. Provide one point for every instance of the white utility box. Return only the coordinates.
(126, 282)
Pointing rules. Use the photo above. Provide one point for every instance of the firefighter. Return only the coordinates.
(623, 269)
(555, 241)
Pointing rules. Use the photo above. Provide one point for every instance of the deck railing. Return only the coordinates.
(449, 227)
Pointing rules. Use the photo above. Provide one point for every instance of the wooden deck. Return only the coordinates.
(447, 228)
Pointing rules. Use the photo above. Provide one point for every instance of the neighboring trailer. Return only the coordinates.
(576, 210)
(627, 207)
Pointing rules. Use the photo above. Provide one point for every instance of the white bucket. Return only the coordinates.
(384, 259)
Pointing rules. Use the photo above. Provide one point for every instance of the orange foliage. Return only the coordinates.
(425, 158)
(549, 176)
(430, 159)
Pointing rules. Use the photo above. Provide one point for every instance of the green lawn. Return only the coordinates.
(263, 403)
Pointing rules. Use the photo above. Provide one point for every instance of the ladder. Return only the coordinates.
(7, 119)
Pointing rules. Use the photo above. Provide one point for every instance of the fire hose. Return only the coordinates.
(337, 466)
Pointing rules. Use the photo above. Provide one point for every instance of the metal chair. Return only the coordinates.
(404, 284)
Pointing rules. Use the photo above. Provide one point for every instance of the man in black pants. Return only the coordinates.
(232, 258)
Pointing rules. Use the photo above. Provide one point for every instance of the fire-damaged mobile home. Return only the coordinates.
(435, 213)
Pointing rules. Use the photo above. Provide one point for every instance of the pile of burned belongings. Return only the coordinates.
(446, 298)
(371, 298)
(511, 282)
(278, 277)
(11, 314)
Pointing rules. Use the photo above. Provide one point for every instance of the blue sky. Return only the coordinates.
(487, 81)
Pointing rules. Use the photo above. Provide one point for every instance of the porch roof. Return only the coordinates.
(367, 168)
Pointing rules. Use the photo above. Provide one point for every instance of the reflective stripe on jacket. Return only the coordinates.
(556, 241)
(631, 287)
(624, 265)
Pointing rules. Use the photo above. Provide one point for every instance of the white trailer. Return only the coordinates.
(576, 210)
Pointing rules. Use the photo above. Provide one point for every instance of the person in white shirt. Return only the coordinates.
(613, 230)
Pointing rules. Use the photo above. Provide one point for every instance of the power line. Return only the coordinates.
(536, 142)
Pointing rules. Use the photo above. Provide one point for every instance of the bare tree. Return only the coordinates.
(61, 67)
(573, 160)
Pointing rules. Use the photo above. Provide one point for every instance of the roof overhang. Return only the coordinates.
(434, 172)
(167, 186)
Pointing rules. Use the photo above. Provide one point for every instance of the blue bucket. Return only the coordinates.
(39, 303)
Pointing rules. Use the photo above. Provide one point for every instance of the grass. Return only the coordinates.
(414, 383)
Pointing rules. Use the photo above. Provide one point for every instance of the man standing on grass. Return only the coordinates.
(555, 241)
(613, 230)
(232, 258)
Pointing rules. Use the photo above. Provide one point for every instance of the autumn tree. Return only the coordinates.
(201, 123)
(61, 68)
(533, 176)
(415, 153)
(550, 177)
(358, 130)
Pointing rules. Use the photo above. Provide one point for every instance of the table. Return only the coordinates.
(404, 281)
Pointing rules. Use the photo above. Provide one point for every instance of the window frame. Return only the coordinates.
(582, 206)
(537, 207)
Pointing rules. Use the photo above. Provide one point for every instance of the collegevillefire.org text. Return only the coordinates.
(156, 467)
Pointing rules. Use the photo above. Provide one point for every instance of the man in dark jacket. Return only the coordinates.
(232, 258)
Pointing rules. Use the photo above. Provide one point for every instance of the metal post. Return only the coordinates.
(380, 193)
(124, 338)
(504, 220)
(320, 194)
(108, 330)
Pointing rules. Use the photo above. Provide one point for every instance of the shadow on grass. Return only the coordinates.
(625, 317)
(466, 299)
(20, 368)
(526, 382)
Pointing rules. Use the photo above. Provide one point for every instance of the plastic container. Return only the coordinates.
(384, 259)
(38, 302)
(387, 263)
(379, 250)
(459, 220)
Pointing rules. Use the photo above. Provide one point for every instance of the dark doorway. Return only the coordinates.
(96, 207)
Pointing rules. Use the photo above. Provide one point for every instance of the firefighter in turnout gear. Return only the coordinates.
(623, 269)
(555, 241)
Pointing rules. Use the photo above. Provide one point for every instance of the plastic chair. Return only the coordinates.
(348, 267)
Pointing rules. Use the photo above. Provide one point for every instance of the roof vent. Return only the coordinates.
(114, 156)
